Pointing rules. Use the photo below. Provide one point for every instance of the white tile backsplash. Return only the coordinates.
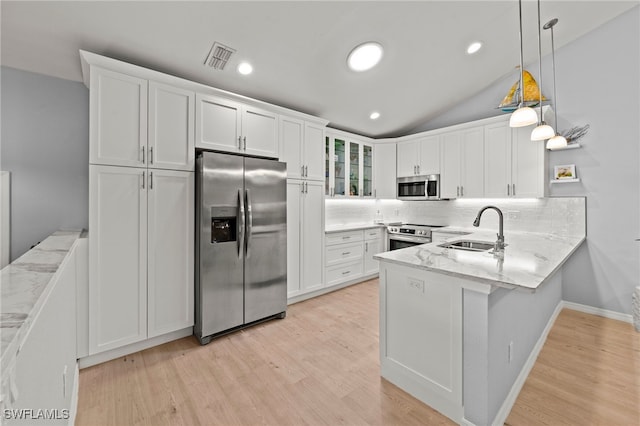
(561, 215)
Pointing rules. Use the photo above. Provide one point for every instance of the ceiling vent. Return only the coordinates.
(219, 56)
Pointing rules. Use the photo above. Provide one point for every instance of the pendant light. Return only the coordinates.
(558, 141)
(543, 131)
(523, 116)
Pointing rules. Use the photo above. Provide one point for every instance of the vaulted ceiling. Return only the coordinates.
(298, 48)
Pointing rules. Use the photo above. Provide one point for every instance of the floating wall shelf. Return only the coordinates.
(571, 146)
(565, 180)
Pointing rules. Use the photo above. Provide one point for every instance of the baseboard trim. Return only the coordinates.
(324, 290)
(101, 357)
(511, 398)
(598, 311)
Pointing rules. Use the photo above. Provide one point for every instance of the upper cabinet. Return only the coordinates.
(302, 148)
(514, 165)
(384, 169)
(462, 173)
(419, 156)
(226, 125)
(349, 167)
(139, 123)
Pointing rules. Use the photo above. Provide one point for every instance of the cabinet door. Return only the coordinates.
(217, 123)
(312, 236)
(259, 132)
(371, 248)
(384, 170)
(529, 165)
(367, 170)
(407, 160)
(472, 167)
(355, 169)
(314, 151)
(171, 126)
(118, 119)
(429, 149)
(171, 251)
(450, 165)
(329, 169)
(117, 256)
(497, 160)
(340, 166)
(291, 137)
(294, 255)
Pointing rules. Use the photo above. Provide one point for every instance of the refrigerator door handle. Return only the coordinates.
(249, 222)
(240, 224)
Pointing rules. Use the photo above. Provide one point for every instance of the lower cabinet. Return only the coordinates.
(141, 256)
(305, 225)
(349, 255)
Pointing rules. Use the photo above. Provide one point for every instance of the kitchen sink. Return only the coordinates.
(468, 245)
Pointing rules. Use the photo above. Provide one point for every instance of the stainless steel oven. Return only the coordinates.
(407, 235)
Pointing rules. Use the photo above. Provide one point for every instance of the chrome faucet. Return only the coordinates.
(499, 246)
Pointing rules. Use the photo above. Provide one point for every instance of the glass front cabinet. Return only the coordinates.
(348, 167)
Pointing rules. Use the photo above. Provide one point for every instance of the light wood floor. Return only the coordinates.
(320, 366)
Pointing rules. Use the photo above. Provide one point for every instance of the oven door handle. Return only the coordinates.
(410, 238)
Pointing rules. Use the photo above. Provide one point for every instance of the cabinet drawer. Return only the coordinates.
(343, 237)
(343, 273)
(373, 234)
(342, 253)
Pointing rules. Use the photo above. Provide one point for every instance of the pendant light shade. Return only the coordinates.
(556, 142)
(542, 132)
(523, 116)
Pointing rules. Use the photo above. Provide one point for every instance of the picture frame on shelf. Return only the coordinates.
(567, 171)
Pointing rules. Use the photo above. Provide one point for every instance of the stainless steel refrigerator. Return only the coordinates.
(241, 242)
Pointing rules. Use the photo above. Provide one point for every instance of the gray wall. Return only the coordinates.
(45, 146)
(597, 84)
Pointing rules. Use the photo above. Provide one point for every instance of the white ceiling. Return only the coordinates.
(298, 49)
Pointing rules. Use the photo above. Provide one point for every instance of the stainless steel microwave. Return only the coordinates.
(425, 187)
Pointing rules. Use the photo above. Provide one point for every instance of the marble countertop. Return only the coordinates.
(25, 286)
(528, 260)
(352, 227)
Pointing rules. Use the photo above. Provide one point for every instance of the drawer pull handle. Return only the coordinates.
(346, 253)
(346, 238)
(346, 272)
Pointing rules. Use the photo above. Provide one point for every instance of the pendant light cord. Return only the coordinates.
(553, 65)
(541, 121)
(522, 56)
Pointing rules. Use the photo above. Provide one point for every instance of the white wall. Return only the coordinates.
(598, 84)
(45, 146)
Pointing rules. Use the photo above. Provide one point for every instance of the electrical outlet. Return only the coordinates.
(513, 214)
(510, 353)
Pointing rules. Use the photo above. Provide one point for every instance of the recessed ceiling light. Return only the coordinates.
(474, 47)
(374, 115)
(365, 56)
(245, 68)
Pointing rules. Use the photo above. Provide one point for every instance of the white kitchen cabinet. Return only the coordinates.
(301, 147)
(140, 254)
(139, 123)
(349, 166)
(226, 125)
(419, 156)
(117, 119)
(373, 244)
(117, 257)
(171, 142)
(514, 165)
(171, 251)
(305, 229)
(462, 161)
(384, 167)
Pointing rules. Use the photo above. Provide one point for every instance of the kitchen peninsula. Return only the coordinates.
(460, 329)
